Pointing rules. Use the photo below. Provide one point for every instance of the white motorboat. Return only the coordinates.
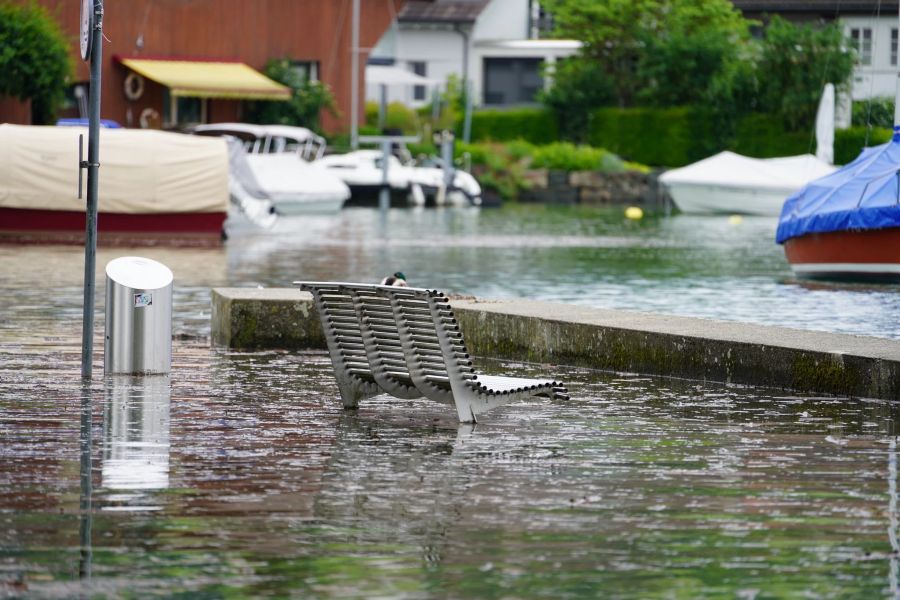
(282, 161)
(362, 171)
(730, 183)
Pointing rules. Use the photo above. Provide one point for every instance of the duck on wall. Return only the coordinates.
(398, 279)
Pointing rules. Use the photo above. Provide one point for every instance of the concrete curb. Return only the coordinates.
(804, 361)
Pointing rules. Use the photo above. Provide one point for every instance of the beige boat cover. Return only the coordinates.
(141, 171)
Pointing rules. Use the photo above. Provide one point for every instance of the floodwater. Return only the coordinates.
(240, 476)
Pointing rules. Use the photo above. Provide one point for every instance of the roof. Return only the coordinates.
(441, 11)
(835, 7)
(209, 78)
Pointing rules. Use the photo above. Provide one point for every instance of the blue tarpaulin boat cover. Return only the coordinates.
(864, 194)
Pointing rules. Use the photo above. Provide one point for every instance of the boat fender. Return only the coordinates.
(134, 86)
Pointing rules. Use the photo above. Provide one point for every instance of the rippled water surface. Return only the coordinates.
(240, 476)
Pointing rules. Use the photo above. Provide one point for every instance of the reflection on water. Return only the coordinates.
(239, 475)
(136, 435)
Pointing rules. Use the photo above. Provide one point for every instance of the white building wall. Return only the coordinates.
(503, 20)
(879, 79)
(440, 50)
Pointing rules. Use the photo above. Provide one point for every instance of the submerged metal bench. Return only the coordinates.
(406, 342)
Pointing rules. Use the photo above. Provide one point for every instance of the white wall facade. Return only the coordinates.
(441, 50)
(503, 20)
(879, 77)
(501, 31)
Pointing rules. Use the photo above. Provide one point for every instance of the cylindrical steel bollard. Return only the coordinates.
(138, 317)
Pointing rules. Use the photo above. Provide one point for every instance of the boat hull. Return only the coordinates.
(868, 255)
(729, 200)
(18, 225)
(369, 195)
(320, 206)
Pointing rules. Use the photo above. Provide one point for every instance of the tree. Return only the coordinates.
(796, 62)
(34, 60)
(308, 99)
(641, 44)
(579, 87)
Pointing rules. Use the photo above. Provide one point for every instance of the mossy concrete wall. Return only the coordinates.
(250, 319)
(804, 361)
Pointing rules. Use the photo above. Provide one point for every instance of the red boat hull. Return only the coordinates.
(113, 229)
(859, 255)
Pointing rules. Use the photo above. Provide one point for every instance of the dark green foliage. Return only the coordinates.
(674, 137)
(649, 47)
(579, 86)
(848, 143)
(304, 108)
(535, 125)
(668, 53)
(655, 136)
(762, 136)
(875, 112)
(680, 69)
(796, 62)
(34, 59)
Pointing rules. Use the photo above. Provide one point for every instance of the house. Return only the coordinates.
(173, 64)
(493, 44)
(871, 26)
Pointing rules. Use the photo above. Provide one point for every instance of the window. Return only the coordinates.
(512, 80)
(862, 41)
(179, 111)
(419, 68)
(308, 70)
(894, 47)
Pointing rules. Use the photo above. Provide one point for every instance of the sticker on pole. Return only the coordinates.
(141, 300)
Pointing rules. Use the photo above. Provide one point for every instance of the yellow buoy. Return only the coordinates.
(735, 219)
(634, 213)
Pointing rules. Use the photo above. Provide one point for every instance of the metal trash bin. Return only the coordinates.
(138, 337)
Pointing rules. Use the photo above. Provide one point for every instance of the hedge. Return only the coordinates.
(672, 137)
(849, 142)
(654, 136)
(534, 125)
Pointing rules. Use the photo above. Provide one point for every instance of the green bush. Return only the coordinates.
(535, 125)
(398, 117)
(308, 99)
(874, 112)
(501, 166)
(848, 143)
(564, 156)
(34, 59)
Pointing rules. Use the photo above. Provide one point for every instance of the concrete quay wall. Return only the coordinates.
(652, 344)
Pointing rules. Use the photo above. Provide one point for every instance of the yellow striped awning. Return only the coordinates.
(209, 79)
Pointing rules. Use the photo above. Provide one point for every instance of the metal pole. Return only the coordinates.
(85, 517)
(467, 90)
(93, 169)
(354, 78)
(382, 107)
(384, 195)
